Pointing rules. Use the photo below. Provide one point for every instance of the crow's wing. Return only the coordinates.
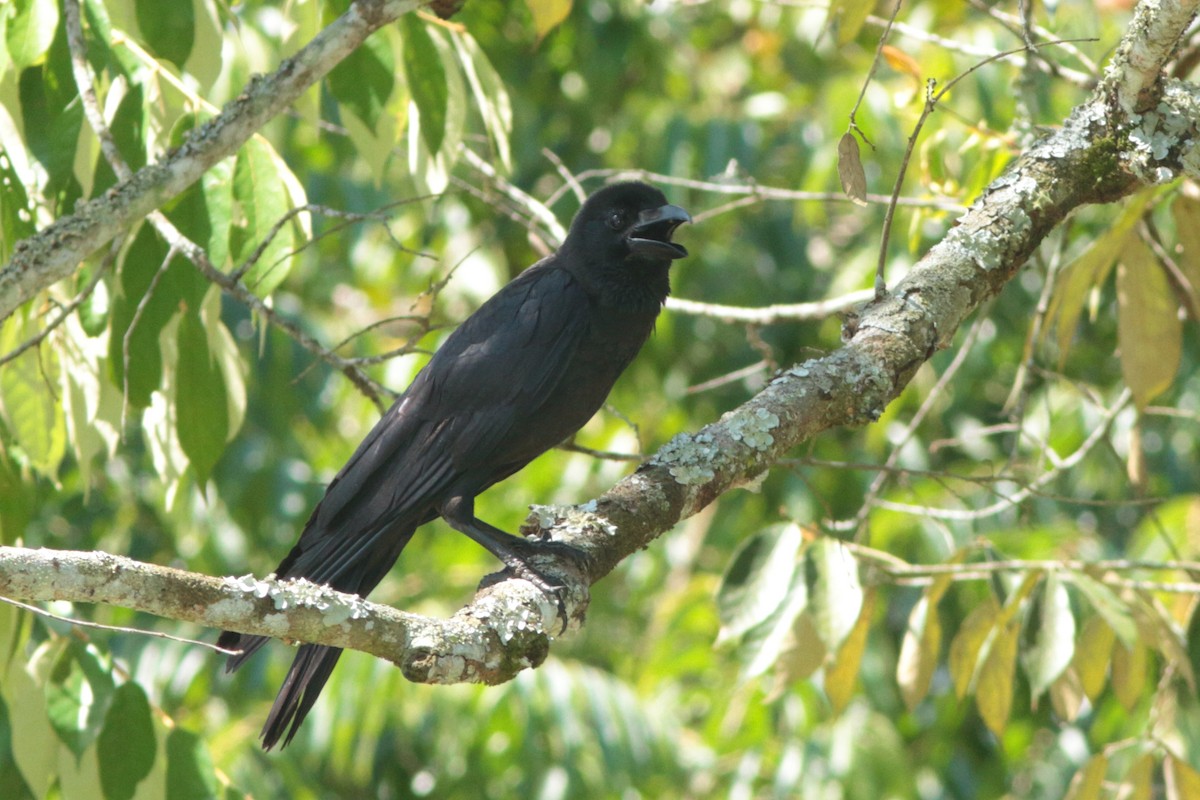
(489, 375)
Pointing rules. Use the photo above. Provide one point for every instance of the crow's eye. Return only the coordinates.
(616, 220)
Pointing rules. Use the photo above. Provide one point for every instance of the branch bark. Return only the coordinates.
(56, 251)
(1102, 153)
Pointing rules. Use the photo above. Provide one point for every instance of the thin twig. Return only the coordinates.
(83, 623)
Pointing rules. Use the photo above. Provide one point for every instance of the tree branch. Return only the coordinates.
(55, 252)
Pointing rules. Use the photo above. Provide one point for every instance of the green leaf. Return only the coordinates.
(1191, 639)
(126, 746)
(765, 643)
(28, 401)
(491, 97)
(169, 35)
(260, 192)
(30, 30)
(78, 694)
(1050, 629)
(159, 298)
(426, 77)
(835, 594)
(190, 774)
(364, 80)
(16, 215)
(548, 14)
(1107, 604)
(756, 582)
(1149, 331)
(202, 413)
(35, 751)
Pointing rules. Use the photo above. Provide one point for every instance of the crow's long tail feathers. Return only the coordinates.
(300, 690)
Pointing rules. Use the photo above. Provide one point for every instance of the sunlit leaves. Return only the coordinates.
(426, 79)
(78, 694)
(262, 197)
(757, 579)
(29, 409)
(1050, 635)
(835, 594)
(30, 30)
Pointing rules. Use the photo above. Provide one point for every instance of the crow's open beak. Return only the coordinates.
(651, 235)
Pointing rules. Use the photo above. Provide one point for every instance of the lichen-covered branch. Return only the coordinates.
(474, 645)
(56, 251)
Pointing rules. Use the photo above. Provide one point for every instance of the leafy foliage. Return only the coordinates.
(995, 581)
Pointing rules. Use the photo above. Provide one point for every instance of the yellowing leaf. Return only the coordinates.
(965, 649)
(1087, 782)
(847, 17)
(1129, 674)
(1186, 211)
(850, 169)
(1066, 695)
(994, 690)
(803, 653)
(1085, 272)
(1138, 783)
(1093, 654)
(841, 676)
(547, 14)
(901, 61)
(1149, 331)
(1182, 782)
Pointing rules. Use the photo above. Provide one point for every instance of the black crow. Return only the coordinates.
(521, 375)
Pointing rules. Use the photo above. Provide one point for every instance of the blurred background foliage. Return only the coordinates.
(718, 99)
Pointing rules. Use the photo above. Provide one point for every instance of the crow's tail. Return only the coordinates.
(300, 690)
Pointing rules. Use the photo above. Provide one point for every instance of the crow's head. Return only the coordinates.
(628, 222)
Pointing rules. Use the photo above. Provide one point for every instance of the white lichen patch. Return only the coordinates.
(572, 519)
(688, 458)
(516, 612)
(752, 428)
(336, 607)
